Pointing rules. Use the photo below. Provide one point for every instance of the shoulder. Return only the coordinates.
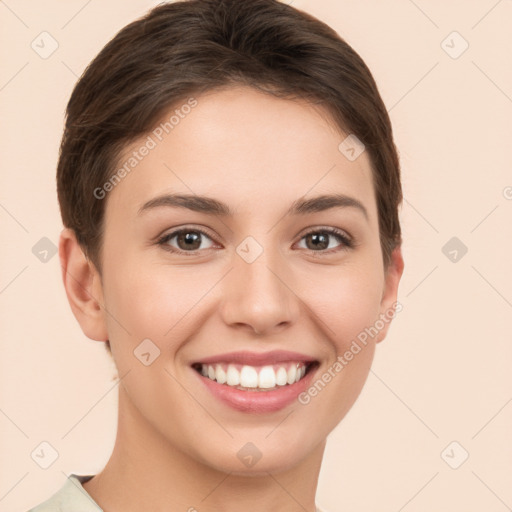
(71, 497)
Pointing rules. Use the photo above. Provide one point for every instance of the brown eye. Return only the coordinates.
(187, 240)
(317, 241)
(320, 240)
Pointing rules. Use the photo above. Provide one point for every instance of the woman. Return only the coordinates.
(229, 188)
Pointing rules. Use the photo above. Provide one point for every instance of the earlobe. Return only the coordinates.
(388, 305)
(83, 287)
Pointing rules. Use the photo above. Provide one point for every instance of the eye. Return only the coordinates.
(187, 239)
(319, 240)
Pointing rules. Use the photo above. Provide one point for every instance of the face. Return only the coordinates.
(261, 277)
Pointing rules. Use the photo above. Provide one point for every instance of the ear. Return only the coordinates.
(83, 287)
(389, 306)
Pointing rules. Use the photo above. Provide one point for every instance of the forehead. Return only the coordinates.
(244, 146)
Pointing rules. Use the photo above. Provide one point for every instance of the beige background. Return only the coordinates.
(442, 375)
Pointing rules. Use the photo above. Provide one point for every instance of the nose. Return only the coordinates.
(259, 296)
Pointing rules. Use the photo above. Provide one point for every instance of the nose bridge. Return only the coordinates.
(256, 291)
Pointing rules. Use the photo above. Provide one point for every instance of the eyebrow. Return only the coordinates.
(212, 206)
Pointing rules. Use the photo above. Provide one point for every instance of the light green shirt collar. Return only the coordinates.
(72, 497)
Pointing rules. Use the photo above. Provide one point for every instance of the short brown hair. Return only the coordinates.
(188, 47)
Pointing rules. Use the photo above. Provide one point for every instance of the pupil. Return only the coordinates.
(190, 239)
(320, 240)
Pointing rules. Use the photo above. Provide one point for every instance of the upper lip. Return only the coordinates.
(255, 358)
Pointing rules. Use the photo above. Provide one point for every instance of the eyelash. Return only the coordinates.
(347, 243)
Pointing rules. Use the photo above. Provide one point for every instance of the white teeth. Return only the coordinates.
(220, 374)
(281, 377)
(267, 377)
(233, 376)
(292, 373)
(248, 377)
(260, 378)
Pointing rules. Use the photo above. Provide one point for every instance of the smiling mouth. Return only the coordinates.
(256, 378)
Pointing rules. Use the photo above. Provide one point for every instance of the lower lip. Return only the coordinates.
(258, 401)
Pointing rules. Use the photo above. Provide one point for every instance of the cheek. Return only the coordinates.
(155, 301)
(346, 300)
(346, 303)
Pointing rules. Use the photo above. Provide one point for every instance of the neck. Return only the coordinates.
(147, 472)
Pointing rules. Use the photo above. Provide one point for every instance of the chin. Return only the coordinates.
(258, 458)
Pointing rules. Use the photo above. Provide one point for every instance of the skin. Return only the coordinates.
(176, 444)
